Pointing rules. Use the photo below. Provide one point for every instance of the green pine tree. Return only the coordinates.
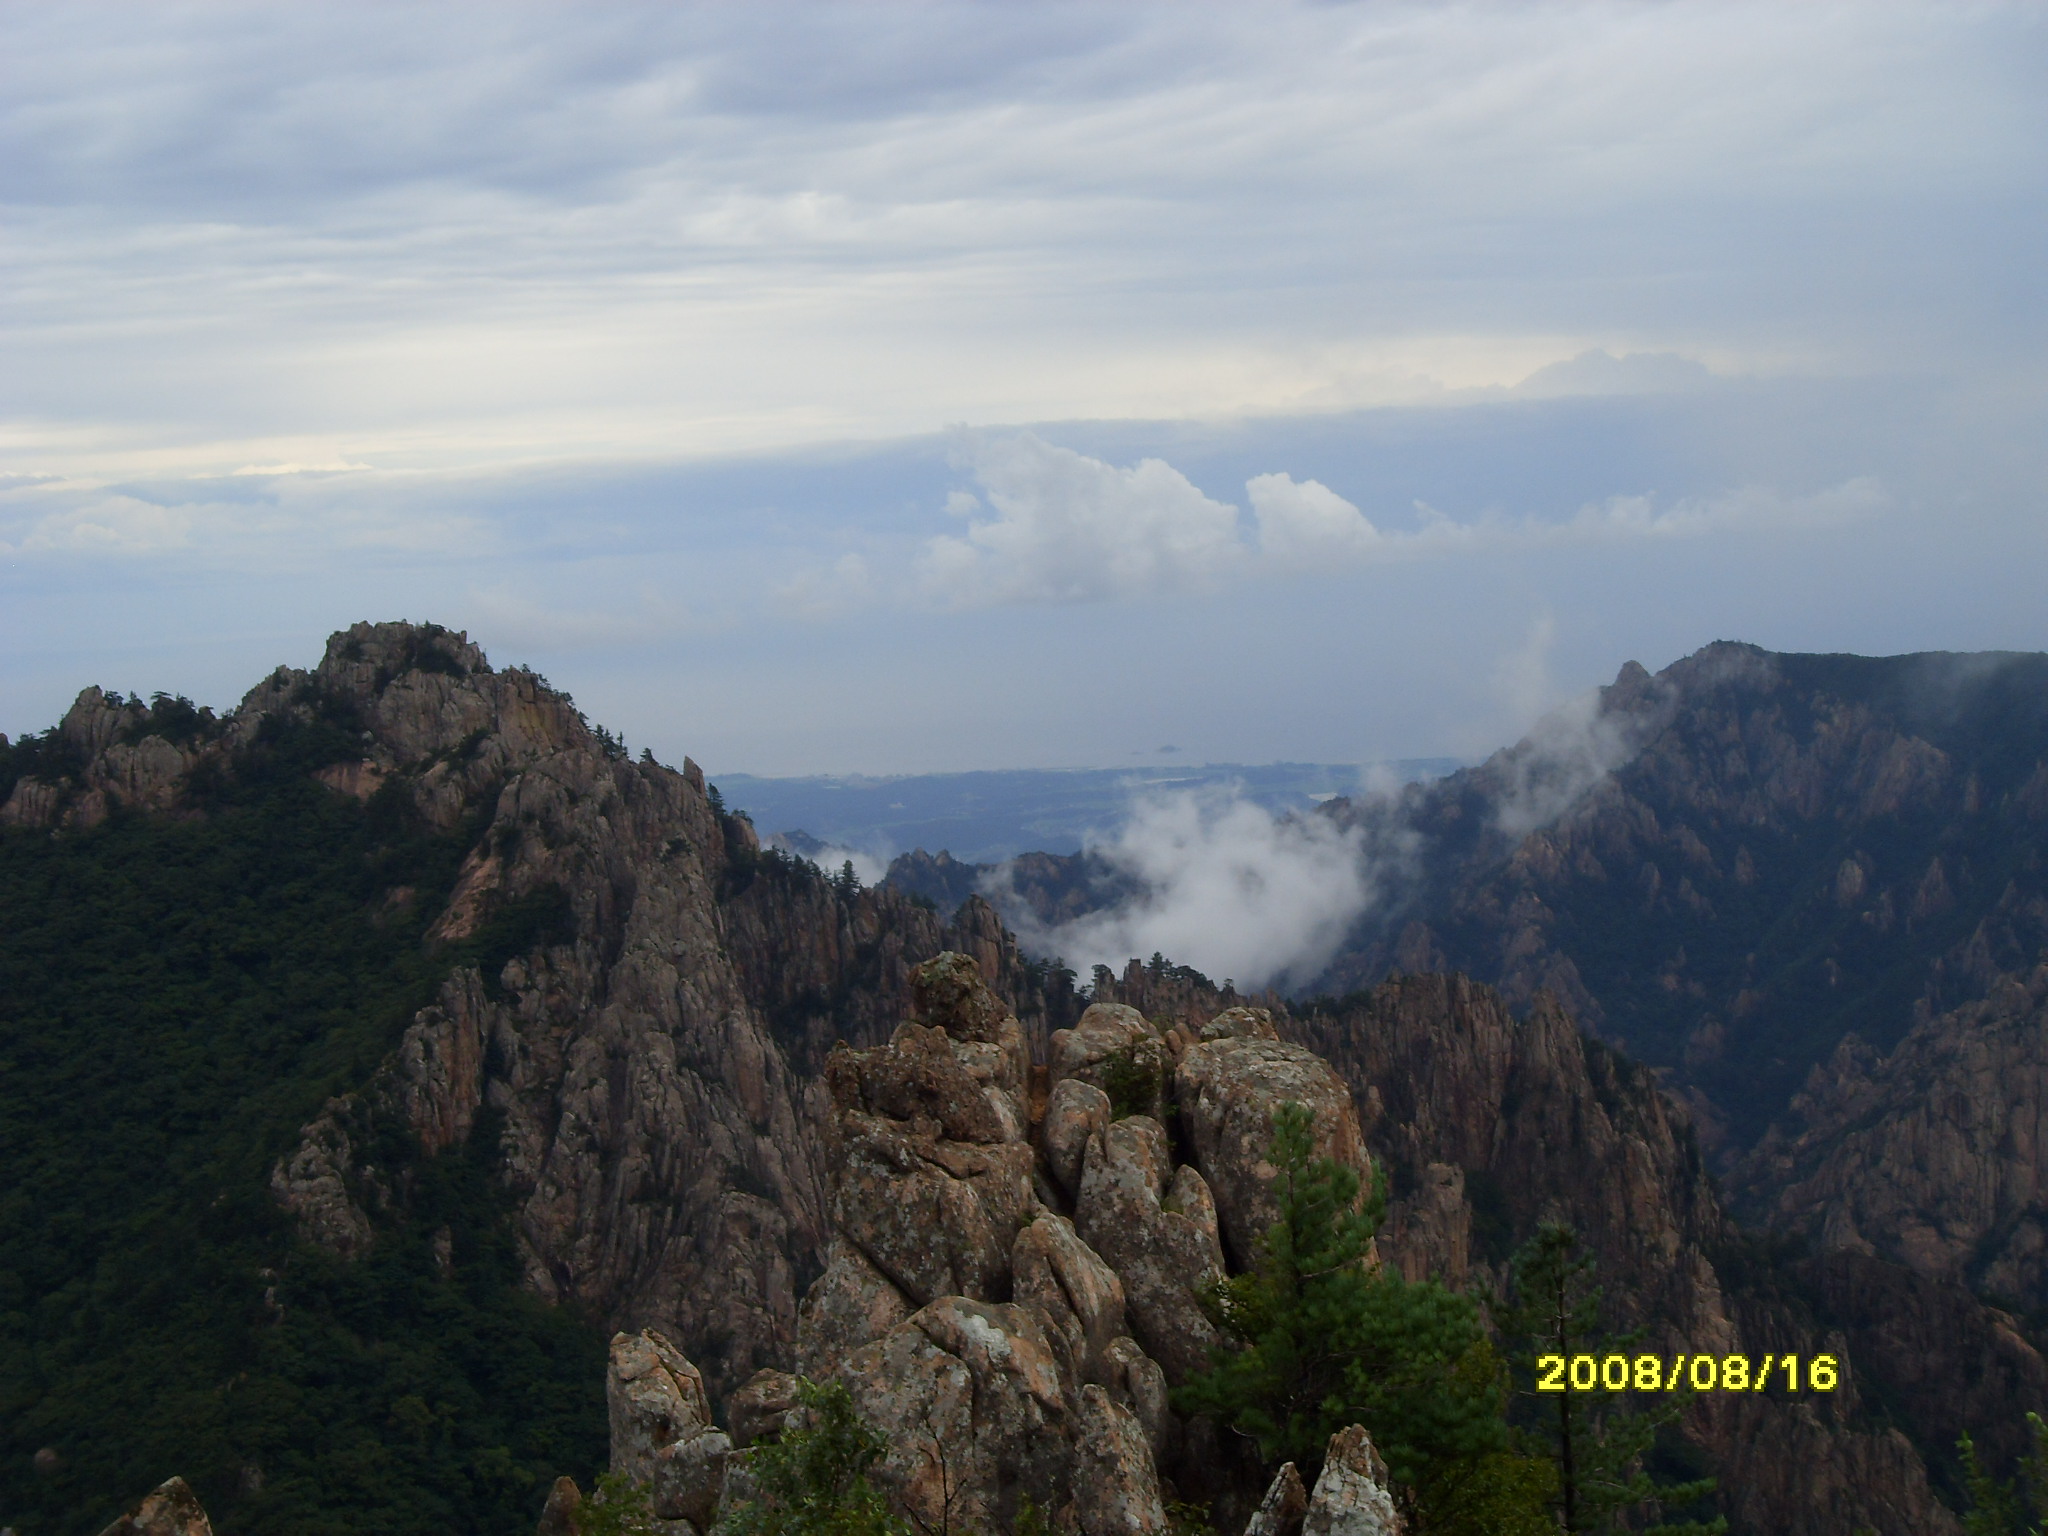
(1595, 1439)
(813, 1481)
(1320, 1338)
(1994, 1506)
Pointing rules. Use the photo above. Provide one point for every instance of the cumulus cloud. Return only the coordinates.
(1306, 523)
(1223, 885)
(1069, 528)
(1056, 526)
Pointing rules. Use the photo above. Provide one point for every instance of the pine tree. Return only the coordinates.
(814, 1480)
(1321, 1338)
(1596, 1440)
(1995, 1506)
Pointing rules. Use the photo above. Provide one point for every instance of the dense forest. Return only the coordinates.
(177, 996)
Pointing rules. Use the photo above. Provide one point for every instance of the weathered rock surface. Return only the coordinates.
(851, 1304)
(1163, 1256)
(662, 1434)
(1080, 1295)
(1282, 1510)
(558, 1515)
(1352, 1496)
(169, 1510)
(1075, 1111)
(1935, 1156)
(1228, 1089)
(977, 1410)
(761, 1409)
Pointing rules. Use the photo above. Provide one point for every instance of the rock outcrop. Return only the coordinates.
(662, 1434)
(1352, 1496)
(172, 1509)
(1011, 1376)
(1933, 1156)
(648, 1028)
(1282, 1510)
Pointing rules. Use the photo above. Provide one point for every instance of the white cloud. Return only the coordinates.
(1068, 528)
(1308, 523)
(1063, 527)
(1225, 886)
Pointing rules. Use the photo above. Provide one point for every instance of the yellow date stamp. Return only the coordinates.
(1698, 1373)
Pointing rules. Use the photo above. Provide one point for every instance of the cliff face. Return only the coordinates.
(1491, 1124)
(1730, 866)
(646, 1000)
(1933, 1156)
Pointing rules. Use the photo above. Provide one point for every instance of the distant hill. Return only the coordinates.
(986, 817)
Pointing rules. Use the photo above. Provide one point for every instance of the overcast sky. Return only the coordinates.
(900, 387)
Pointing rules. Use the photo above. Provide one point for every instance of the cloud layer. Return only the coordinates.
(1060, 526)
(1225, 886)
(242, 233)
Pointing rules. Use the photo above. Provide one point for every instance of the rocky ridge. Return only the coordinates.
(1015, 1274)
(648, 1045)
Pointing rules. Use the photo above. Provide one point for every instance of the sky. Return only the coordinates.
(916, 387)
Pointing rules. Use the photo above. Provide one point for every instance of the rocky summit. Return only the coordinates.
(416, 1107)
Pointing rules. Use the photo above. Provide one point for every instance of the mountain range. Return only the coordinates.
(375, 1049)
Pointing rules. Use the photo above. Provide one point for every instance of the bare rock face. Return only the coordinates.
(1282, 1510)
(172, 1509)
(761, 1409)
(977, 1412)
(1075, 1111)
(934, 1212)
(1933, 1156)
(1163, 1257)
(851, 1304)
(1228, 1088)
(1351, 1497)
(661, 1429)
(558, 1515)
(1080, 1295)
(1103, 1030)
(1241, 1024)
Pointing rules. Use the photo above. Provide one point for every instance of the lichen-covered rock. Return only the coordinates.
(760, 1410)
(1103, 1030)
(558, 1515)
(1080, 1295)
(977, 1412)
(171, 1509)
(1282, 1510)
(1135, 1379)
(1164, 1258)
(1116, 1490)
(654, 1396)
(1074, 1111)
(662, 1434)
(935, 1216)
(1352, 1497)
(851, 1304)
(1241, 1024)
(1227, 1090)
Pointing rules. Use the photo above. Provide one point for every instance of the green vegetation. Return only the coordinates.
(177, 997)
(1133, 1078)
(1320, 1340)
(618, 1506)
(1595, 1440)
(813, 1481)
(1995, 1507)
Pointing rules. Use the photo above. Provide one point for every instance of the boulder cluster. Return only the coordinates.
(1015, 1277)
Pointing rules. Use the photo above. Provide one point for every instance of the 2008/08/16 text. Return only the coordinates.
(1700, 1373)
